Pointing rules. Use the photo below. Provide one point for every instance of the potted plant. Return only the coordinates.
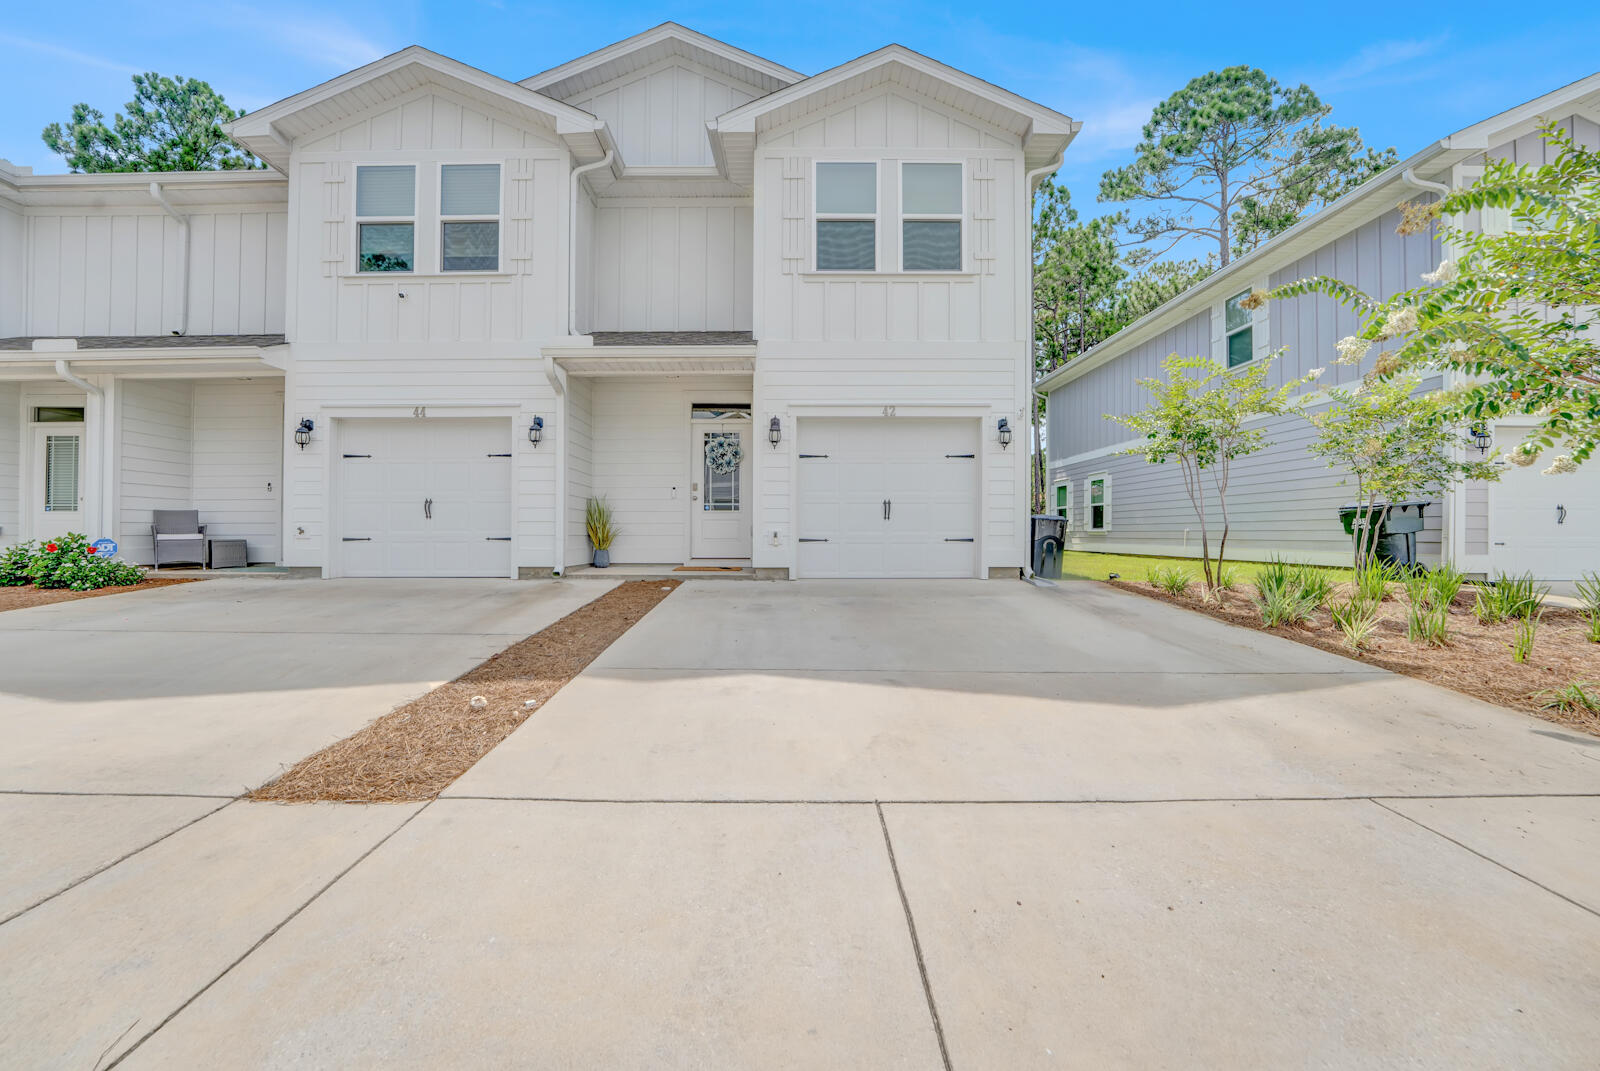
(602, 532)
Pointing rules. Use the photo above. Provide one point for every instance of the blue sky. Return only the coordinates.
(1404, 75)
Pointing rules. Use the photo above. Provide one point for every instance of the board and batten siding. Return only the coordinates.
(13, 272)
(865, 340)
(579, 445)
(669, 266)
(11, 425)
(119, 271)
(658, 115)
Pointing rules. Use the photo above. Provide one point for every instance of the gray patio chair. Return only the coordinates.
(178, 536)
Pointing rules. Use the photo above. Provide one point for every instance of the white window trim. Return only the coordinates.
(355, 231)
(1105, 502)
(1053, 508)
(828, 217)
(1258, 328)
(477, 217)
(930, 217)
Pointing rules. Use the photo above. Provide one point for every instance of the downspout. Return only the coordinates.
(183, 255)
(558, 544)
(64, 371)
(572, 239)
(102, 444)
(1454, 494)
(1028, 183)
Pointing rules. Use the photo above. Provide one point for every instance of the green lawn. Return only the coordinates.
(1089, 565)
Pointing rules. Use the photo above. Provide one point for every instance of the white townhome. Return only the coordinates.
(1285, 500)
(777, 321)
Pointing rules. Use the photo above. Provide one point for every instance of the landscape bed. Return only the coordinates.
(416, 751)
(1477, 660)
(20, 598)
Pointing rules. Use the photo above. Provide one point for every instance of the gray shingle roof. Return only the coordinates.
(673, 338)
(150, 342)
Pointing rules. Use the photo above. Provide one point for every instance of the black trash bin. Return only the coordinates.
(1049, 540)
(1396, 538)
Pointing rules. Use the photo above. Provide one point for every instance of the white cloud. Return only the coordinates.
(71, 55)
(314, 37)
(1382, 62)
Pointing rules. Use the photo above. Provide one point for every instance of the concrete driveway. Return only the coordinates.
(807, 825)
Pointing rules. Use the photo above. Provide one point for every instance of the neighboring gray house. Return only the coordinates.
(1283, 501)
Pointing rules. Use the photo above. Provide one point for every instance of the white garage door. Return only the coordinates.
(887, 498)
(1546, 525)
(425, 497)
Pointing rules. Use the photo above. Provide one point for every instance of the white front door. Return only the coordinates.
(720, 498)
(1545, 525)
(425, 497)
(887, 497)
(57, 485)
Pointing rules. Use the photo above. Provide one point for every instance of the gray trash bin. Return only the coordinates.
(1396, 540)
(1049, 540)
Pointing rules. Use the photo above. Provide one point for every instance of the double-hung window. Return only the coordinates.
(1098, 501)
(930, 217)
(847, 217)
(386, 217)
(1237, 325)
(469, 217)
(1063, 503)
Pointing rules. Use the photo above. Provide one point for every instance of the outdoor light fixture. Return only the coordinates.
(536, 431)
(302, 434)
(774, 432)
(1481, 438)
(1004, 428)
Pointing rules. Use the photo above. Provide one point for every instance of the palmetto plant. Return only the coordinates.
(597, 521)
(1509, 597)
(1172, 579)
(1358, 620)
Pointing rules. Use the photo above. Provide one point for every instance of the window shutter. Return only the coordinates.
(982, 212)
(519, 214)
(333, 242)
(795, 205)
(1105, 499)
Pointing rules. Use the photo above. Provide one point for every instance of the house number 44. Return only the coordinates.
(419, 411)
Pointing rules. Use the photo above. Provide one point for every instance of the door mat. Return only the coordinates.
(416, 751)
(708, 569)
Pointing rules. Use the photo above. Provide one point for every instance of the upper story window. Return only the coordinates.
(469, 217)
(930, 217)
(847, 217)
(1238, 324)
(386, 213)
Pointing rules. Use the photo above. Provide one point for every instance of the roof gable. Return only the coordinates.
(669, 39)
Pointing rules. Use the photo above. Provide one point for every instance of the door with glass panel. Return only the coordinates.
(56, 489)
(720, 491)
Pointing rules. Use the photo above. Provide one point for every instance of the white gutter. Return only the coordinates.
(183, 253)
(1409, 177)
(572, 240)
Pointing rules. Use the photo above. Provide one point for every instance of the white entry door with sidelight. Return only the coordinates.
(720, 497)
(57, 490)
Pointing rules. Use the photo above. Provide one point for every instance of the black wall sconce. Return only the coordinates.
(1004, 429)
(774, 432)
(536, 431)
(1481, 439)
(302, 434)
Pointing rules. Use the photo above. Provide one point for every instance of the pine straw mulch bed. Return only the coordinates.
(416, 751)
(1476, 662)
(24, 597)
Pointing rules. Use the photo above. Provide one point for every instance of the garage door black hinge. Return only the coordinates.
(804, 456)
(358, 455)
(968, 539)
(961, 455)
(813, 540)
(496, 455)
(497, 539)
(356, 539)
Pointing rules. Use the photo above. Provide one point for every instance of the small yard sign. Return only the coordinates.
(105, 548)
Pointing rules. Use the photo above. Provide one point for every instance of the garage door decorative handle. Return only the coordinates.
(427, 508)
(958, 539)
(803, 539)
(969, 456)
(496, 455)
(358, 455)
(497, 539)
(1561, 515)
(356, 539)
(804, 456)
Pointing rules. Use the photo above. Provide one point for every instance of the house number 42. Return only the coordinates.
(888, 410)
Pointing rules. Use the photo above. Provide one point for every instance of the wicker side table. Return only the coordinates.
(227, 553)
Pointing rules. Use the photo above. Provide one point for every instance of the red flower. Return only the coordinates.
(50, 548)
(89, 550)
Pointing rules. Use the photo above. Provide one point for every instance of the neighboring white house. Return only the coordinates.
(1284, 500)
(488, 301)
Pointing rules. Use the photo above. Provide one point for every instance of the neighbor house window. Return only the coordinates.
(1063, 503)
(469, 217)
(386, 211)
(1099, 503)
(847, 217)
(930, 217)
(1236, 322)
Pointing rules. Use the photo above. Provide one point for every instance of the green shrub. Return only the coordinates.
(15, 562)
(1589, 592)
(1419, 590)
(1522, 643)
(1577, 696)
(1358, 620)
(1172, 579)
(1284, 606)
(1427, 623)
(70, 562)
(1509, 597)
(1314, 583)
(1446, 581)
(1372, 579)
